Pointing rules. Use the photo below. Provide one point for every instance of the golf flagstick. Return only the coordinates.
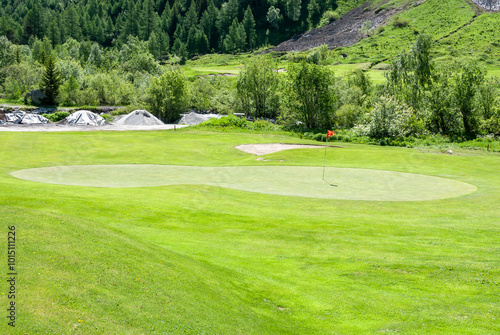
(328, 134)
(324, 163)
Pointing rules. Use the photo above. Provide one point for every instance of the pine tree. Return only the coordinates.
(131, 25)
(73, 23)
(236, 38)
(228, 12)
(201, 42)
(51, 82)
(87, 27)
(33, 23)
(98, 30)
(95, 57)
(191, 18)
(54, 33)
(208, 24)
(173, 19)
(180, 33)
(165, 18)
(154, 45)
(192, 47)
(164, 44)
(109, 32)
(149, 19)
(249, 24)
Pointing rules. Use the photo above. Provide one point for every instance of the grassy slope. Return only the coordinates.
(434, 17)
(206, 260)
(451, 23)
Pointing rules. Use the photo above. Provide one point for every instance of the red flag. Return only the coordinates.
(329, 133)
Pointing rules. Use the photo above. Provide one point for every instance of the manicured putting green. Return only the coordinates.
(339, 183)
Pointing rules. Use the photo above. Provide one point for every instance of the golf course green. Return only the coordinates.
(338, 183)
(179, 232)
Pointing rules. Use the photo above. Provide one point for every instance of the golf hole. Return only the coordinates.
(300, 181)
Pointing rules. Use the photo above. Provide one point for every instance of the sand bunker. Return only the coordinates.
(301, 181)
(269, 148)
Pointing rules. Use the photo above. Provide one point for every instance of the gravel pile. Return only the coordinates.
(84, 118)
(195, 118)
(139, 118)
(21, 117)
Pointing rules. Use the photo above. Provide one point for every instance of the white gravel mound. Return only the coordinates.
(84, 118)
(29, 118)
(139, 118)
(195, 118)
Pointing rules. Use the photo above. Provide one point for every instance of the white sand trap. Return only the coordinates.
(269, 148)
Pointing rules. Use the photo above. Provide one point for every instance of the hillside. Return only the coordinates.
(181, 27)
(378, 32)
(345, 31)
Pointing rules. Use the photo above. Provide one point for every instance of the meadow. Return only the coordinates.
(205, 259)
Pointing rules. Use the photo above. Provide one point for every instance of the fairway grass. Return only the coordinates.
(204, 259)
(338, 183)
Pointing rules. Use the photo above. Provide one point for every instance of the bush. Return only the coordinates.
(328, 17)
(311, 96)
(348, 115)
(107, 117)
(57, 116)
(168, 95)
(21, 78)
(393, 119)
(257, 88)
(314, 57)
(398, 22)
(202, 92)
(234, 122)
(107, 89)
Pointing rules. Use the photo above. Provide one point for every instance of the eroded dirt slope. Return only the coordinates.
(345, 31)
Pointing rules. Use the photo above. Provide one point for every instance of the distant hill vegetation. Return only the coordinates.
(378, 31)
(182, 27)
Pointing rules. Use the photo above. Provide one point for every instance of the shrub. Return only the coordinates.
(107, 117)
(348, 115)
(257, 88)
(393, 119)
(57, 116)
(168, 95)
(399, 22)
(314, 57)
(234, 122)
(328, 17)
(310, 94)
(296, 57)
(21, 78)
(202, 91)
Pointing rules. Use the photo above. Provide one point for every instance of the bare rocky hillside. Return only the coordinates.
(491, 5)
(343, 32)
(346, 31)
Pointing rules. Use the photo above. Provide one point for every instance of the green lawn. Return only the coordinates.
(203, 259)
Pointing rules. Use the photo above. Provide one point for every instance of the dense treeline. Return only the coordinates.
(181, 27)
(420, 97)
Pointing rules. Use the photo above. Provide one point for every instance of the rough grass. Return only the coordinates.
(208, 260)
